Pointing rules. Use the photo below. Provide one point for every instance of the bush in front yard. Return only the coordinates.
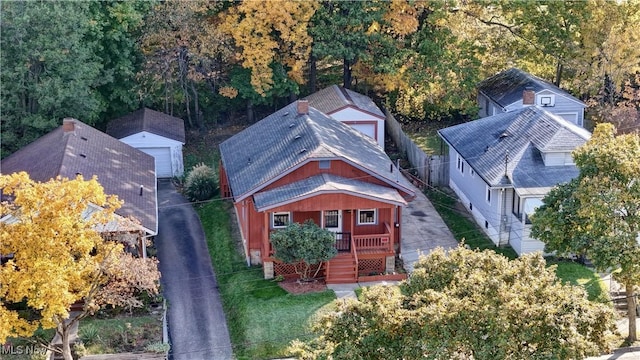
(201, 183)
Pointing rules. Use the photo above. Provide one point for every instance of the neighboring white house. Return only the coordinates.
(503, 165)
(155, 133)
(351, 108)
(513, 89)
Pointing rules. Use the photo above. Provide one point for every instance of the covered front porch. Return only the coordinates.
(367, 241)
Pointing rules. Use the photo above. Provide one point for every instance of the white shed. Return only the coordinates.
(157, 134)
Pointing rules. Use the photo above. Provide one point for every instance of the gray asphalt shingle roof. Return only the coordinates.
(120, 168)
(334, 98)
(522, 134)
(506, 87)
(148, 120)
(325, 183)
(284, 140)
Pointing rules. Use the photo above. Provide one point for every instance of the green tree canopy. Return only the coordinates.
(59, 258)
(304, 245)
(48, 68)
(466, 304)
(598, 214)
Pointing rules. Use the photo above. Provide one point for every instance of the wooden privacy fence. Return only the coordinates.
(431, 169)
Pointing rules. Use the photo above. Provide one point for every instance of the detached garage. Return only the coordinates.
(157, 134)
(351, 108)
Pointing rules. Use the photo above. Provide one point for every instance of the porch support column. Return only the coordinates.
(398, 228)
(267, 266)
(390, 264)
(352, 229)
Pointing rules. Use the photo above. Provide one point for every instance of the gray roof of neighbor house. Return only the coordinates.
(148, 120)
(284, 140)
(76, 148)
(334, 98)
(506, 87)
(522, 135)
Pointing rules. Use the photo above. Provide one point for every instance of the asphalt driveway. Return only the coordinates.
(196, 321)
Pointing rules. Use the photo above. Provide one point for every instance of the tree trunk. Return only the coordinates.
(66, 347)
(631, 312)
(558, 78)
(250, 112)
(196, 105)
(346, 74)
(312, 74)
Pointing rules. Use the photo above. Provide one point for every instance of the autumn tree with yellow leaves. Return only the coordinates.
(54, 256)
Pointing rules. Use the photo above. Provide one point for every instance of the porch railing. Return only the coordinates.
(374, 241)
(343, 242)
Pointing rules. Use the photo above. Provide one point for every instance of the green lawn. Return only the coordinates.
(577, 274)
(262, 318)
(462, 227)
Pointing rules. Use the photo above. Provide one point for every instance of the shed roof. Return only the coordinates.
(516, 140)
(81, 149)
(506, 87)
(335, 98)
(148, 120)
(285, 140)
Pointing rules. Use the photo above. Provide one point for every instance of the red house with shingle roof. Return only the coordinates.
(299, 164)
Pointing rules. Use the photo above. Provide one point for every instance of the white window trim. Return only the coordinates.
(487, 195)
(375, 217)
(273, 215)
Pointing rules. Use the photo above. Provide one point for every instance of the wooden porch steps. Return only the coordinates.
(342, 270)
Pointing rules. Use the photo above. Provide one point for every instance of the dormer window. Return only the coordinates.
(545, 100)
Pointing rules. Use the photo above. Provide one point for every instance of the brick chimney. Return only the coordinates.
(68, 125)
(528, 96)
(303, 107)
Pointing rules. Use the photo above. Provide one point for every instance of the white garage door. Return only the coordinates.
(367, 129)
(163, 160)
(570, 117)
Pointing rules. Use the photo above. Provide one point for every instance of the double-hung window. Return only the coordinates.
(280, 220)
(367, 217)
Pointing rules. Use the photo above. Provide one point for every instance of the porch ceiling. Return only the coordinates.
(325, 183)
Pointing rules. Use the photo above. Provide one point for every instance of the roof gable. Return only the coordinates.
(152, 121)
(286, 140)
(506, 87)
(121, 169)
(516, 137)
(335, 98)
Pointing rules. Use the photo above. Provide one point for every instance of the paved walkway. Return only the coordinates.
(422, 231)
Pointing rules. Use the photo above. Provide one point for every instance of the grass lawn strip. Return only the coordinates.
(262, 318)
